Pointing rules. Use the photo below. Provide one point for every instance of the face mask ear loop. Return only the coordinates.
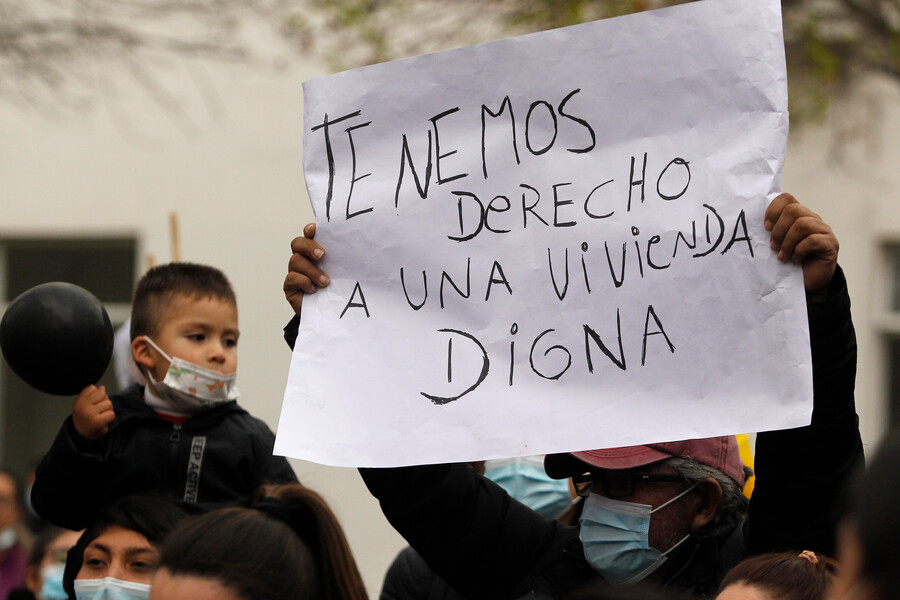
(157, 348)
(681, 495)
(145, 371)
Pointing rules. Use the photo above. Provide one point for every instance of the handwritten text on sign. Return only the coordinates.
(550, 243)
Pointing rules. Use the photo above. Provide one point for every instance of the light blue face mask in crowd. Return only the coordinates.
(525, 480)
(614, 534)
(52, 583)
(110, 588)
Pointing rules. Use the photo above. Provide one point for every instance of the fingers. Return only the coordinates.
(774, 209)
(798, 231)
(304, 276)
(93, 412)
(801, 236)
(790, 223)
(303, 272)
(306, 246)
(92, 396)
(293, 291)
(807, 238)
(102, 419)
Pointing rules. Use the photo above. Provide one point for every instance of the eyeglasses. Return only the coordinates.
(619, 483)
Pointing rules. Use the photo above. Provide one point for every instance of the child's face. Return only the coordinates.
(203, 331)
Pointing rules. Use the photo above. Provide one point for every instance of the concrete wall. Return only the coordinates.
(846, 170)
(237, 187)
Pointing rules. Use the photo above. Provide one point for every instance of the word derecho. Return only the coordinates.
(599, 200)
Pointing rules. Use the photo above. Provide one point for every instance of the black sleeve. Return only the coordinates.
(801, 473)
(290, 331)
(270, 468)
(410, 578)
(478, 539)
(70, 478)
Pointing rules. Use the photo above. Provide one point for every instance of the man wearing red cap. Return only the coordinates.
(671, 513)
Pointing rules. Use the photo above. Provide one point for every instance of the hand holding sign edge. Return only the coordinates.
(800, 235)
(303, 276)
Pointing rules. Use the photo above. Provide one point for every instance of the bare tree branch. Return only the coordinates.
(48, 46)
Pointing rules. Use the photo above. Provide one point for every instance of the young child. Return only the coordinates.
(183, 435)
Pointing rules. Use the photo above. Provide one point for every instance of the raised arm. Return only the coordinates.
(801, 472)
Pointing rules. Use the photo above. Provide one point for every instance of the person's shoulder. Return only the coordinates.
(231, 410)
(251, 422)
(231, 414)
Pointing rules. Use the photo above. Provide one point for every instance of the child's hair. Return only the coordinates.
(289, 545)
(785, 575)
(162, 283)
(151, 517)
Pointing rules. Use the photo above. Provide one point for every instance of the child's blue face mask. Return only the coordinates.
(110, 588)
(614, 535)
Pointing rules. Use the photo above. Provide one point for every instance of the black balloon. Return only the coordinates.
(57, 337)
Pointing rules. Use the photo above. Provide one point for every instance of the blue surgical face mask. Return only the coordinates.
(110, 588)
(52, 583)
(525, 480)
(614, 535)
(8, 537)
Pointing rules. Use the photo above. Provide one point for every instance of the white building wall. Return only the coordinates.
(846, 170)
(237, 188)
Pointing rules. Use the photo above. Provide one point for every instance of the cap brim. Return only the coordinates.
(563, 466)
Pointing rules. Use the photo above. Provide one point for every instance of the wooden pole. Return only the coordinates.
(176, 242)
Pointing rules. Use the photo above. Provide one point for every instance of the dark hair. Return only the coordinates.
(734, 504)
(42, 541)
(875, 517)
(288, 546)
(162, 283)
(785, 575)
(153, 518)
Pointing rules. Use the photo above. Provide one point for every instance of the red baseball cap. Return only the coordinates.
(720, 453)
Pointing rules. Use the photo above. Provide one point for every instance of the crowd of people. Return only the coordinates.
(170, 490)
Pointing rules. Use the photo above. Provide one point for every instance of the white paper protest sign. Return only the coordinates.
(551, 243)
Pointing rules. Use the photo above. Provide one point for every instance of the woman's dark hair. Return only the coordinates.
(153, 518)
(289, 545)
(785, 575)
